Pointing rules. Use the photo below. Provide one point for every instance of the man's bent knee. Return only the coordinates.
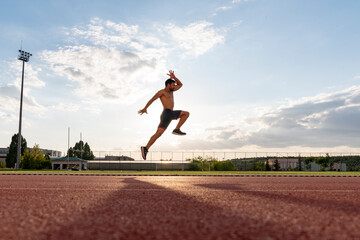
(184, 114)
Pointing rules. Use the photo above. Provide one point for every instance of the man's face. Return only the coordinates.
(172, 87)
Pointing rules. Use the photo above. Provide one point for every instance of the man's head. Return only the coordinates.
(171, 84)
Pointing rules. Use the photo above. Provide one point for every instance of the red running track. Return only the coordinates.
(163, 207)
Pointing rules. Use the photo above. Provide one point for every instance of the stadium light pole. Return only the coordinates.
(24, 57)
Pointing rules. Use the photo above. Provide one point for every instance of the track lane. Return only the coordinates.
(157, 207)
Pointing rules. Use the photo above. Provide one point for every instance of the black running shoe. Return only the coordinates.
(144, 152)
(178, 132)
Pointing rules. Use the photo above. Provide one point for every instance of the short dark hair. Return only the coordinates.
(169, 81)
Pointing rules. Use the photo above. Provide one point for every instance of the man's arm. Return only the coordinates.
(156, 96)
(177, 81)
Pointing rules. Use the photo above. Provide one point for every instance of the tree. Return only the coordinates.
(88, 154)
(35, 159)
(259, 165)
(299, 164)
(81, 151)
(203, 164)
(267, 165)
(308, 162)
(276, 165)
(323, 162)
(11, 157)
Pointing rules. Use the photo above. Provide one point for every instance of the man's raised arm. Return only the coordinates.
(177, 81)
(156, 96)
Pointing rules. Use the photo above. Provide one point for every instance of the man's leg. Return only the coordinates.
(183, 117)
(158, 133)
(144, 150)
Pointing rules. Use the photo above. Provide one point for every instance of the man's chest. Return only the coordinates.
(168, 96)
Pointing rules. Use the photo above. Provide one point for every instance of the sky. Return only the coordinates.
(258, 75)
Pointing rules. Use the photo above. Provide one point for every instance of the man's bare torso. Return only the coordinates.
(167, 99)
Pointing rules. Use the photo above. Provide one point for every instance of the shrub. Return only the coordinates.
(224, 166)
(210, 163)
(35, 159)
(2, 165)
(195, 166)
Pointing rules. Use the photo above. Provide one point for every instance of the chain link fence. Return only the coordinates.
(220, 156)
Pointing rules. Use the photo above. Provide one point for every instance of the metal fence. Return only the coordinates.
(132, 160)
(138, 165)
(220, 156)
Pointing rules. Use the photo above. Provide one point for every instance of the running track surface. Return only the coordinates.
(164, 207)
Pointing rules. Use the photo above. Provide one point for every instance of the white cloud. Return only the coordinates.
(323, 121)
(67, 107)
(239, 1)
(114, 61)
(10, 103)
(10, 90)
(31, 77)
(228, 7)
(106, 73)
(223, 8)
(10, 99)
(326, 120)
(8, 117)
(105, 33)
(196, 38)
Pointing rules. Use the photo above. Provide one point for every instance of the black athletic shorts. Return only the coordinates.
(167, 116)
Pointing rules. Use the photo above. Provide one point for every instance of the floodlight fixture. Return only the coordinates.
(24, 56)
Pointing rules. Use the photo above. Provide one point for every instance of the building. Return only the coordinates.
(3, 152)
(70, 163)
(291, 163)
(285, 163)
(138, 165)
(118, 158)
(51, 153)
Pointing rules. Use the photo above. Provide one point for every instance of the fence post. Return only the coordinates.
(182, 160)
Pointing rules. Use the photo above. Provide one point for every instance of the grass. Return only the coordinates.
(118, 172)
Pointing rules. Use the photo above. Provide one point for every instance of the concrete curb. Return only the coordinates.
(172, 175)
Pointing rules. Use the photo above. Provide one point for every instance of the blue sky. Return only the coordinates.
(258, 75)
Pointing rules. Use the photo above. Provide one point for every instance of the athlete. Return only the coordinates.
(167, 99)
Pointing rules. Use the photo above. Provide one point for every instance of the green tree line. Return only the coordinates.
(35, 158)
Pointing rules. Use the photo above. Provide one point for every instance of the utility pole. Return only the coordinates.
(68, 153)
(81, 147)
(24, 57)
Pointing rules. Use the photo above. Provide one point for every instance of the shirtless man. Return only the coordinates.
(167, 99)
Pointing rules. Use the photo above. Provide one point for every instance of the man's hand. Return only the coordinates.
(171, 74)
(177, 81)
(142, 111)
